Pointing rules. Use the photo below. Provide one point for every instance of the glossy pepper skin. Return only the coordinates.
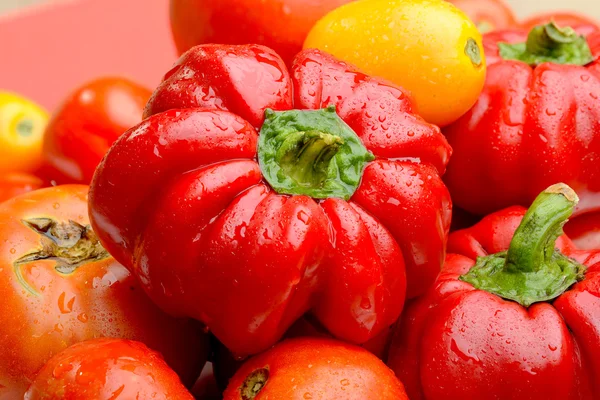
(533, 126)
(181, 200)
(459, 342)
(585, 231)
(107, 369)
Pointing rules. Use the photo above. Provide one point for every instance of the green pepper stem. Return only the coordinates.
(532, 270)
(534, 240)
(549, 43)
(305, 156)
(544, 38)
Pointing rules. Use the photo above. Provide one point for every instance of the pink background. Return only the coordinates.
(48, 50)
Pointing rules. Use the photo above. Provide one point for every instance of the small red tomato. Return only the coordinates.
(318, 369)
(564, 18)
(488, 15)
(15, 183)
(107, 369)
(59, 286)
(87, 124)
(279, 24)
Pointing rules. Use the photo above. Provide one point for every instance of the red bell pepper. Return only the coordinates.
(585, 231)
(320, 212)
(536, 123)
(514, 315)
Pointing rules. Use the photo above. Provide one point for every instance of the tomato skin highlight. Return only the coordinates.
(316, 368)
(429, 48)
(101, 369)
(279, 24)
(56, 301)
(85, 126)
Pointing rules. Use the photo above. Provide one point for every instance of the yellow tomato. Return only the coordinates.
(22, 125)
(426, 46)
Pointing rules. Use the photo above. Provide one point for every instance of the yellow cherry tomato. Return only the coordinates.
(426, 46)
(22, 125)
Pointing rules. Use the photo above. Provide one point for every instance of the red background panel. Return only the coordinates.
(48, 50)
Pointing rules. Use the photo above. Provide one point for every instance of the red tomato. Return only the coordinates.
(571, 19)
(87, 124)
(59, 286)
(107, 369)
(15, 183)
(226, 365)
(488, 15)
(311, 368)
(279, 24)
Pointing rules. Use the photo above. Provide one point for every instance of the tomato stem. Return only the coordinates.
(254, 383)
(70, 244)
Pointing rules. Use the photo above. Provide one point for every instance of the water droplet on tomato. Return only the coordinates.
(13, 250)
(307, 396)
(303, 216)
(61, 369)
(83, 317)
(65, 304)
(344, 382)
(56, 206)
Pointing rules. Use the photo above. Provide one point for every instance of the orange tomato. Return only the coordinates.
(107, 369)
(429, 47)
(279, 24)
(59, 287)
(22, 125)
(312, 368)
(86, 125)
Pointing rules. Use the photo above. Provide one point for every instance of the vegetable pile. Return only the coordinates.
(321, 200)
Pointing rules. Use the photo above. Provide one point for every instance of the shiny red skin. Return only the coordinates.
(101, 298)
(15, 183)
(226, 365)
(107, 369)
(319, 369)
(183, 189)
(530, 128)
(458, 342)
(584, 231)
(562, 18)
(279, 24)
(85, 126)
(488, 14)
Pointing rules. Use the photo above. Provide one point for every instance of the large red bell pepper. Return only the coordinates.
(536, 123)
(319, 212)
(514, 315)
